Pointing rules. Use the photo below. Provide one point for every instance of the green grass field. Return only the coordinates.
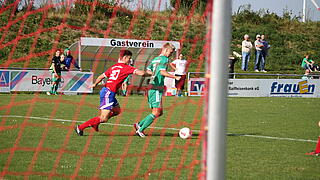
(267, 139)
(42, 148)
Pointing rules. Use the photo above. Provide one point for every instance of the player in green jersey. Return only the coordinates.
(158, 71)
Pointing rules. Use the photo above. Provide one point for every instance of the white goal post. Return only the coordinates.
(220, 31)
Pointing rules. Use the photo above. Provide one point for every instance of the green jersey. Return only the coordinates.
(156, 65)
(304, 63)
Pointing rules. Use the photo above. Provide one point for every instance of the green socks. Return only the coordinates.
(52, 89)
(146, 122)
(56, 89)
(124, 92)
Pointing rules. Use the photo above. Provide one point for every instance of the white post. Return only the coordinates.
(79, 53)
(315, 4)
(304, 11)
(218, 83)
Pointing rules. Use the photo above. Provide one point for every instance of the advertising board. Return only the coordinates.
(262, 87)
(40, 80)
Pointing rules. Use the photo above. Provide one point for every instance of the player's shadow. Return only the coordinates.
(171, 134)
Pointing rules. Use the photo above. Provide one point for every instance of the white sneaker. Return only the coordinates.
(78, 131)
(264, 71)
(141, 134)
(48, 93)
(136, 126)
(256, 70)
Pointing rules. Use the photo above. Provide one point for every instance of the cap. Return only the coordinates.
(65, 51)
(258, 36)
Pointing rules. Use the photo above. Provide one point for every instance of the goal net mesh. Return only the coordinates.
(37, 131)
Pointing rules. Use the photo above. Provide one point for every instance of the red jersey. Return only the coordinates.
(116, 74)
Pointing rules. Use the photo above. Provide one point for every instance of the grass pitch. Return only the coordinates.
(267, 139)
(38, 140)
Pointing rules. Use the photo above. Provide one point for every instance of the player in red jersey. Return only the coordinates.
(109, 105)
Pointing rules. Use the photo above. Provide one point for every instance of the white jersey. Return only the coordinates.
(181, 65)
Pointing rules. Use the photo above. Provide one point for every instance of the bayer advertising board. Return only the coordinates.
(5, 81)
(262, 87)
(40, 80)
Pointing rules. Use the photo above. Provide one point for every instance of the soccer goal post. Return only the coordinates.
(220, 28)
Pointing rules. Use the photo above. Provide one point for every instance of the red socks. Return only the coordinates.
(92, 122)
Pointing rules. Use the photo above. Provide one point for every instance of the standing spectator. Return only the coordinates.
(69, 60)
(265, 48)
(246, 48)
(307, 64)
(56, 73)
(179, 65)
(63, 62)
(259, 59)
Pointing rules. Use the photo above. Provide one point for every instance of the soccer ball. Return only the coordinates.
(185, 133)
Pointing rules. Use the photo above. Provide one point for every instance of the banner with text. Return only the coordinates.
(130, 43)
(4, 81)
(40, 80)
(262, 87)
(274, 88)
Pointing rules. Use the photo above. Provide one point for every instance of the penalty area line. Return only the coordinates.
(173, 129)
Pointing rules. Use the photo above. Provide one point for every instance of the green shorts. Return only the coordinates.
(55, 79)
(155, 98)
(127, 80)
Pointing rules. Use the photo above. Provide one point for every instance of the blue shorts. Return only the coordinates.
(107, 99)
(307, 66)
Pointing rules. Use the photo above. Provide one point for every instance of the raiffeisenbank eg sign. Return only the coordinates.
(274, 88)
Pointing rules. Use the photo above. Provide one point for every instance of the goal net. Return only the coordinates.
(37, 131)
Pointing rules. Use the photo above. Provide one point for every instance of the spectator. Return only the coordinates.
(246, 48)
(180, 66)
(259, 59)
(265, 48)
(63, 63)
(307, 64)
(56, 73)
(69, 60)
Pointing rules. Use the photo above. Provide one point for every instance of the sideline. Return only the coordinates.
(174, 129)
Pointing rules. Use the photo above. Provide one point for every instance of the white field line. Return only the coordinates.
(276, 138)
(66, 120)
(174, 129)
